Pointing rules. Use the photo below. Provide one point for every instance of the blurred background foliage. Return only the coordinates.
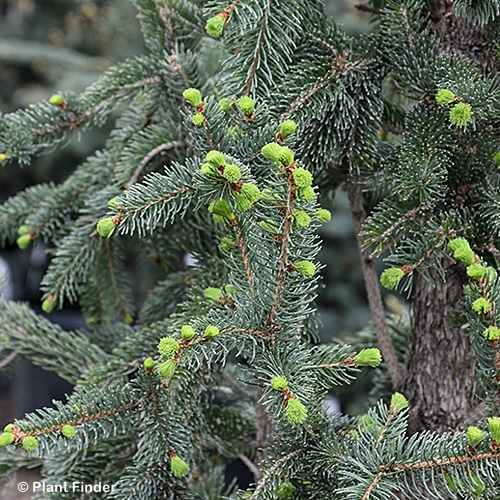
(54, 45)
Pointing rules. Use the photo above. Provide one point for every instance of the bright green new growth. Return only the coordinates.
(272, 151)
(211, 331)
(248, 195)
(57, 100)
(178, 467)
(213, 294)
(6, 438)
(287, 128)
(269, 226)
(306, 194)
(302, 177)
(494, 428)
(215, 26)
(149, 363)
(24, 241)
(457, 243)
(368, 357)
(168, 347)
(230, 290)
(323, 215)
(215, 158)
(23, 230)
(247, 105)
(30, 443)
(225, 104)
(492, 333)
(198, 119)
(279, 383)
(301, 219)
(285, 491)
(114, 203)
(476, 271)
(187, 332)
(465, 256)
(496, 158)
(68, 431)
(481, 305)
(391, 277)
(461, 114)
(287, 158)
(9, 428)
(445, 96)
(398, 402)
(207, 169)
(166, 369)
(222, 209)
(192, 96)
(48, 305)
(306, 268)
(474, 435)
(232, 173)
(106, 227)
(296, 412)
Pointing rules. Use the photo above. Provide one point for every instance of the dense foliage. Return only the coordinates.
(233, 127)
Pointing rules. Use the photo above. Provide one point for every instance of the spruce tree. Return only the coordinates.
(232, 128)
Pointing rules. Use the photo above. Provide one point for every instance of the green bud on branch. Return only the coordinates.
(461, 114)
(6, 438)
(305, 267)
(445, 96)
(296, 412)
(279, 383)
(192, 96)
(178, 467)
(391, 277)
(474, 435)
(287, 128)
(166, 369)
(30, 443)
(68, 431)
(368, 357)
(187, 332)
(247, 105)
(302, 177)
(168, 347)
(494, 428)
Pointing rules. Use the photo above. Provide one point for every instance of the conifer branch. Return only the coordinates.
(7, 360)
(375, 302)
(78, 119)
(244, 256)
(84, 419)
(440, 462)
(112, 274)
(258, 48)
(283, 259)
(256, 472)
(273, 469)
(162, 147)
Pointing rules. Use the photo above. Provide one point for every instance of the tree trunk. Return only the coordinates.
(440, 382)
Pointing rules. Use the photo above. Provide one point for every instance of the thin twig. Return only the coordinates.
(11, 357)
(273, 469)
(257, 473)
(375, 302)
(249, 394)
(162, 147)
(258, 49)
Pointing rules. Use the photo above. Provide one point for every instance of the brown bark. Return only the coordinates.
(440, 382)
